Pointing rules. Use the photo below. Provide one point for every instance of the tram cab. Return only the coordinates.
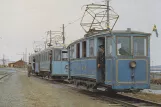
(51, 62)
(59, 62)
(127, 60)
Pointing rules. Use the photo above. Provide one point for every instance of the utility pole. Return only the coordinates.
(50, 38)
(3, 60)
(26, 55)
(50, 33)
(63, 33)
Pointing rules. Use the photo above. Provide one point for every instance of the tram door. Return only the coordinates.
(101, 60)
(109, 59)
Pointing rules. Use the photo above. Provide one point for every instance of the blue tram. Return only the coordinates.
(51, 62)
(124, 70)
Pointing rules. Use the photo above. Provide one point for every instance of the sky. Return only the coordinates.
(24, 21)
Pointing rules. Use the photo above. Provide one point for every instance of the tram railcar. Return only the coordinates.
(124, 71)
(51, 62)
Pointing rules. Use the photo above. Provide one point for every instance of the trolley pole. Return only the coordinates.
(63, 35)
(108, 19)
(3, 61)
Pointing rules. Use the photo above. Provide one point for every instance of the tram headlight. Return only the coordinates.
(132, 64)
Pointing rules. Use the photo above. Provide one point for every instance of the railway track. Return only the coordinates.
(117, 100)
(133, 102)
(5, 75)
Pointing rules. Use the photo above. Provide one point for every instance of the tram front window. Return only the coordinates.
(57, 55)
(123, 46)
(64, 55)
(140, 46)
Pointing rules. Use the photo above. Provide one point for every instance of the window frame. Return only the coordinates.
(72, 51)
(145, 37)
(130, 43)
(55, 54)
(62, 52)
(78, 50)
(93, 47)
(84, 42)
(107, 55)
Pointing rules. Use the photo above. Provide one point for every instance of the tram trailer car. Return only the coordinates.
(50, 62)
(124, 72)
(31, 58)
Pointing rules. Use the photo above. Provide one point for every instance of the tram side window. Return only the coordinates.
(43, 57)
(78, 51)
(57, 55)
(91, 48)
(109, 46)
(84, 49)
(46, 54)
(140, 46)
(123, 46)
(49, 55)
(72, 52)
(64, 55)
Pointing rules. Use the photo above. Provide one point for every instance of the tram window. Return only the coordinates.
(109, 46)
(78, 51)
(53, 54)
(91, 47)
(43, 57)
(140, 46)
(57, 55)
(47, 56)
(64, 55)
(123, 46)
(72, 51)
(84, 49)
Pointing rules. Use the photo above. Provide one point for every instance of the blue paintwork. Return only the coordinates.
(58, 68)
(124, 71)
(108, 72)
(84, 68)
(91, 68)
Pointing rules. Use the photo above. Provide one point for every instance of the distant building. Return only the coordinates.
(17, 64)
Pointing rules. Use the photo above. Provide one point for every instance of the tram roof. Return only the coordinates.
(104, 32)
(49, 48)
